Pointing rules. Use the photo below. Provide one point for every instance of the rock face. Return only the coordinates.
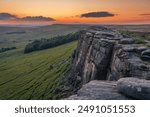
(126, 62)
(98, 90)
(134, 87)
(104, 54)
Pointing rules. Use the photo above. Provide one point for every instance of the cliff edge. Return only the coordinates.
(104, 56)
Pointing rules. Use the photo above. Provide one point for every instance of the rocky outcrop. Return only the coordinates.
(104, 54)
(127, 62)
(134, 87)
(98, 90)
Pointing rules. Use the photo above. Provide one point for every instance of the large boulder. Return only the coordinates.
(98, 90)
(134, 87)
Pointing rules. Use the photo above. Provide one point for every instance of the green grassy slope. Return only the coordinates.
(35, 75)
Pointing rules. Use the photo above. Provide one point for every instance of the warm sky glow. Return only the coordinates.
(69, 11)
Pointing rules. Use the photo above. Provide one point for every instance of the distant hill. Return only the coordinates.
(8, 38)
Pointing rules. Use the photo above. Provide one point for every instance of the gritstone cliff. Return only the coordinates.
(104, 56)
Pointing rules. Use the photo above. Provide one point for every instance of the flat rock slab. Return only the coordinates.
(133, 87)
(126, 41)
(98, 90)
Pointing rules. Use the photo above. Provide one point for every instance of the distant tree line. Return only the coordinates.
(19, 32)
(7, 49)
(49, 43)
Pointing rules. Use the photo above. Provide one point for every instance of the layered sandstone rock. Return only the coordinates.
(104, 54)
(134, 87)
(98, 90)
(126, 62)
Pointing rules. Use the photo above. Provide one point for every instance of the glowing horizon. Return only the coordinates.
(71, 11)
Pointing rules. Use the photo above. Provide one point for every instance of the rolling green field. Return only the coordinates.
(35, 75)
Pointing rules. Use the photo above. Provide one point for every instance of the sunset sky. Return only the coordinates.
(74, 11)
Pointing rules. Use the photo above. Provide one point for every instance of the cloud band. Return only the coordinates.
(8, 16)
(97, 14)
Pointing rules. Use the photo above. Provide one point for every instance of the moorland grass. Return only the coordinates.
(35, 75)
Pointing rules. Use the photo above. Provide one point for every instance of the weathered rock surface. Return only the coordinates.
(93, 55)
(126, 41)
(126, 62)
(146, 55)
(104, 54)
(134, 87)
(98, 90)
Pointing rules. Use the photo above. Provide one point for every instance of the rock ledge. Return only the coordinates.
(134, 87)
